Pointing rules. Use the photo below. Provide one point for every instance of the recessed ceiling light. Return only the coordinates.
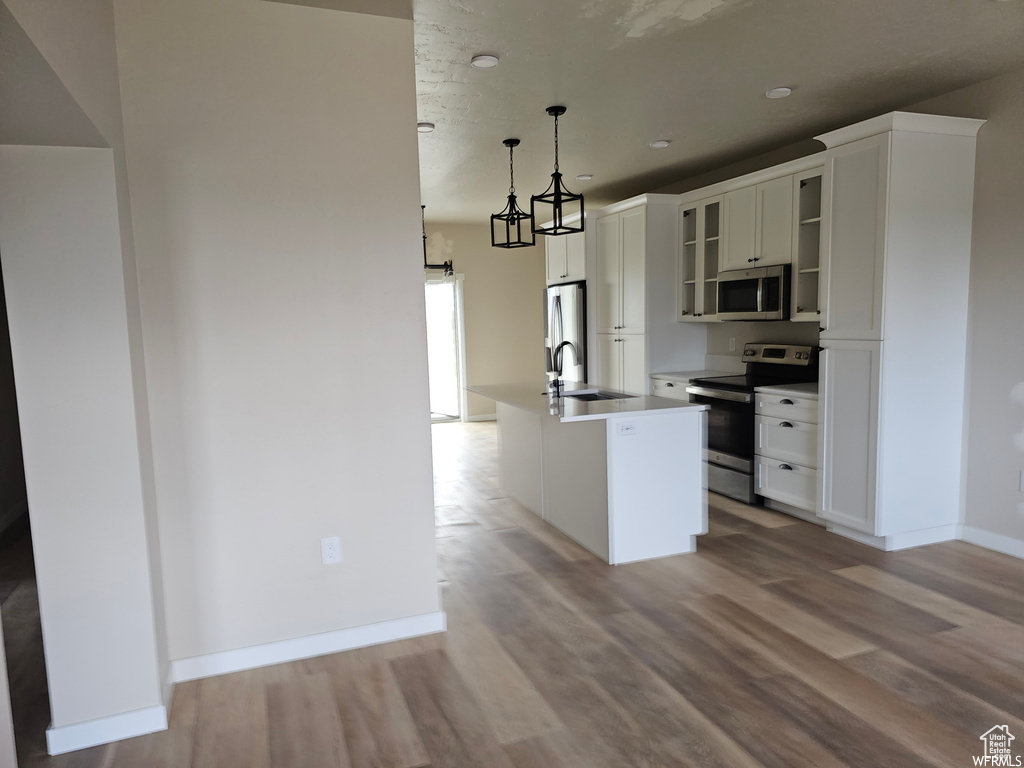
(778, 93)
(660, 144)
(584, 177)
(484, 61)
(424, 127)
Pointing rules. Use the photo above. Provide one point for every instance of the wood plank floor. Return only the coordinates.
(776, 645)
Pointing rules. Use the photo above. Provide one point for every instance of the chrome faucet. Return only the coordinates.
(555, 366)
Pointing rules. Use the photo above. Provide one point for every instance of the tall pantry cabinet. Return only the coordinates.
(894, 330)
(634, 305)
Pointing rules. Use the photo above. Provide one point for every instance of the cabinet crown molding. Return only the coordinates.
(901, 121)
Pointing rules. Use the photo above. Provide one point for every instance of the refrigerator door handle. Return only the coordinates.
(556, 322)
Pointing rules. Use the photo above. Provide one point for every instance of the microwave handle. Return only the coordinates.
(760, 291)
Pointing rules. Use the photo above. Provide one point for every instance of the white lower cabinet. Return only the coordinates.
(786, 445)
(849, 378)
(623, 362)
(791, 484)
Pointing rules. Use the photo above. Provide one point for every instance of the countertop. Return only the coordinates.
(805, 389)
(533, 398)
(688, 376)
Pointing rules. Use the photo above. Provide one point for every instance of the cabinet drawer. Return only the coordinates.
(673, 389)
(793, 441)
(789, 483)
(789, 407)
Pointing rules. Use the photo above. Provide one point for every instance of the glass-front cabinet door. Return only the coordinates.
(700, 228)
(809, 237)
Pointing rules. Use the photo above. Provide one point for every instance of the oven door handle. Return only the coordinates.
(721, 394)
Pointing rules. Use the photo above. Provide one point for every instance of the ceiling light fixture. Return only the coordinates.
(557, 197)
(660, 144)
(424, 127)
(510, 228)
(778, 93)
(584, 177)
(484, 61)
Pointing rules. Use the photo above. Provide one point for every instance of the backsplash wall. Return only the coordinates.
(777, 332)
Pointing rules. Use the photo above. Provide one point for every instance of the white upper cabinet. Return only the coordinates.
(555, 252)
(810, 246)
(774, 228)
(700, 228)
(740, 228)
(621, 244)
(859, 202)
(608, 291)
(566, 258)
(759, 225)
(575, 257)
(633, 248)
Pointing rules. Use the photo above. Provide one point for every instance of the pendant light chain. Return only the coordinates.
(511, 174)
(556, 143)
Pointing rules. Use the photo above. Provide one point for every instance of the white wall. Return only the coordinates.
(62, 269)
(274, 186)
(504, 306)
(995, 443)
(77, 41)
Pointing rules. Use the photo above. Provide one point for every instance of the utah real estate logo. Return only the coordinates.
(998, 748)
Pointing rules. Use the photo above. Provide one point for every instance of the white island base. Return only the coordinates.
(623, 478)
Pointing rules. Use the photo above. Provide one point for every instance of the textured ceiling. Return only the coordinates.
(692, 71)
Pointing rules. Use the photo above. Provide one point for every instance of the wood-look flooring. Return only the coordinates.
(776, 645)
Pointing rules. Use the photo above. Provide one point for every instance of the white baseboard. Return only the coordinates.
(483, 417)
(921, 538)
(994, 541)
(897, 541)
(70, 738)
(306, 647)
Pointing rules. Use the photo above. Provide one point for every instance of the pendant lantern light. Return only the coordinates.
(556, 203)
(512, 227)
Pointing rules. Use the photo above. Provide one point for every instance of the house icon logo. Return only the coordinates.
(998, 748)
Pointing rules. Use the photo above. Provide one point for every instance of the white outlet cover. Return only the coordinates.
(626, 428)
(330, 550)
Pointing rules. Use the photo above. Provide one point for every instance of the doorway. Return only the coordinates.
(446, 348)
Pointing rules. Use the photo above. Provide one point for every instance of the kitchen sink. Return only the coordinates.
(589, 396)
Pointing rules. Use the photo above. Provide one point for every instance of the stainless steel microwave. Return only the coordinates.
(761, 293)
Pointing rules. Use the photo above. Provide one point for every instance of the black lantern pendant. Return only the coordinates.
(561, 203)
(511, 227)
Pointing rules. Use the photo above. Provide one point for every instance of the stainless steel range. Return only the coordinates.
(730, 401)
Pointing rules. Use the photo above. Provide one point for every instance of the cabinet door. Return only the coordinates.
(853, 305)
(575, 257)
(740, 228)
(634, 363)
(555, 247)
(773, 239)
(810, 230)
(609, 372)
(609, 271)
(688, 269)
(634, 247)
(849, 389)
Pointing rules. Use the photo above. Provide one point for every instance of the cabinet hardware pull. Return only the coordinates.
(821, 328)
(749, 261)
(818, 311)
(785, 424)
(670, 384)
(785, 401)
(786, 467)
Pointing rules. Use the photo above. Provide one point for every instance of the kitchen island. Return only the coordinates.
(624, 477)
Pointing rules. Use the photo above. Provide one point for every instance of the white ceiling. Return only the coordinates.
(692, 71)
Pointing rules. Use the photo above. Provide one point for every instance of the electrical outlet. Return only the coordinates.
(629, 428)
(330, 550)
(732, 345)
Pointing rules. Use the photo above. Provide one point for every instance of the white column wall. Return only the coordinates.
(61, 255)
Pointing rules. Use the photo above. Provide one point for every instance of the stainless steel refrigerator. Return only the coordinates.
(565, 319)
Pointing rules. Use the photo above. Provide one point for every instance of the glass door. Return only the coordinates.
(444, 356)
